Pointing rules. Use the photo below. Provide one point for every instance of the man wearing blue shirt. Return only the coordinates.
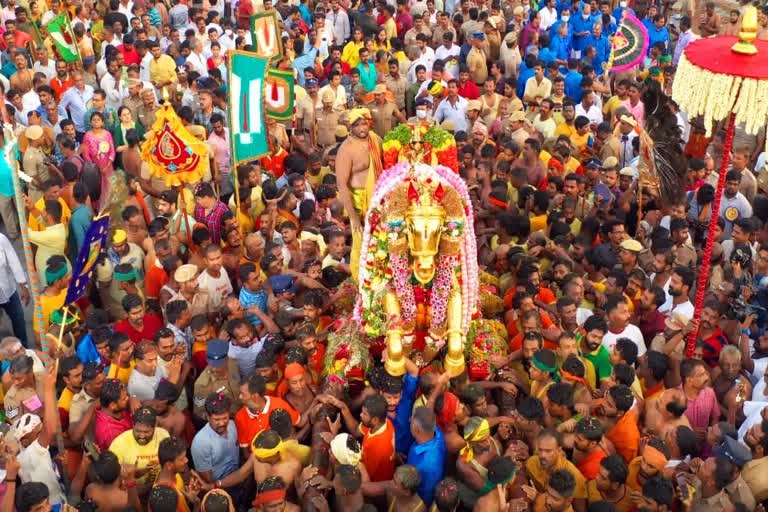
(573, 81)
(658, 33)
(427, 454)
(403, 393)
(582, 27)
(303, 60)
(601, 45)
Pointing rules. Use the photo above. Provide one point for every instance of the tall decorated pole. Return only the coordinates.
(723, 79)
(9, 154)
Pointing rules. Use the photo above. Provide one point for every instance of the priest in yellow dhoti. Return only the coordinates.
(358, 166)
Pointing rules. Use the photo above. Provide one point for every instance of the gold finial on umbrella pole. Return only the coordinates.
(748, 33)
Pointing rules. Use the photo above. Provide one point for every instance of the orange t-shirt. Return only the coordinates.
(249, 425)
(590, 465)
(545, 296)
(155, 279)
(378, 452)
(625, 436)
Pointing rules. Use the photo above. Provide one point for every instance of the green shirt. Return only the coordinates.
(601, 360)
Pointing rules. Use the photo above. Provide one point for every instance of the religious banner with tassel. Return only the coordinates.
(247, 128)
(279, 94)
(172, 153)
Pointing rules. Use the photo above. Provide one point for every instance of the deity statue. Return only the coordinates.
(418, 265)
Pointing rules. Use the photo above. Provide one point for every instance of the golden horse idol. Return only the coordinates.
(418, 273)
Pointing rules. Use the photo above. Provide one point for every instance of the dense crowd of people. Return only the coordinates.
(200, 371)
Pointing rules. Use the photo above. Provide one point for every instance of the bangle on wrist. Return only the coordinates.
(10, 480)
(129, 484)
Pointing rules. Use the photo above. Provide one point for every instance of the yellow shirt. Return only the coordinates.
(34, 221)
(624, 504)
(351, 53)
(539, 477)
(565, 129)
(128, 451)
(317, 179)
(163, 69)
(610, 107)
(51, 303)
(245, 222)
(391, 28)
(538, 223)
(120, 373)
(65, 400)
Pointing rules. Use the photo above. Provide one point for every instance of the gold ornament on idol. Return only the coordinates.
(748, 32)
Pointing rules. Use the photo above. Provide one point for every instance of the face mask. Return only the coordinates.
(622, 4)
(228, 32)
(527, 8)
(421, 114)
(566, 18)
(585, 16)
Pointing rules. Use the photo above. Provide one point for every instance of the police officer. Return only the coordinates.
(22, 397)
(220, 376)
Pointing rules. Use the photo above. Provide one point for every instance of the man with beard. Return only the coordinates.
(617, 314)
(732, 386)
(703, 409)
(568, 342)
(83, 406)
(139, 445)
(754, 471)
(592, 347)
(649, 464)
(548, 461)
(610, 484)
(166, 205)
(680, 284)
(589, 447)
(710, 335)
(620, 420)
(650, 320)
(358, 165)
(113, 417)
(299, 396)
(138, 325)
(147, 374)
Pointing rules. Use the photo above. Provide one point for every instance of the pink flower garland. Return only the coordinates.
(468, 273)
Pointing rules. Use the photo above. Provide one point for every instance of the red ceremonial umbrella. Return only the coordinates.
(718, 78)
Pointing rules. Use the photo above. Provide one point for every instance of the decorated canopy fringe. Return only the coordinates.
(700, 92)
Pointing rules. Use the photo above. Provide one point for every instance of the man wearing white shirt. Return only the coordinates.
(449, 54)
(680, 284)
(126, 7)
(13, 288)
(43, 64)
(334, 85)
(111, 83)
(617, 315)
(547, 16)
(453, 108)
(196, 61)
(338, 21)
(589, 109)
